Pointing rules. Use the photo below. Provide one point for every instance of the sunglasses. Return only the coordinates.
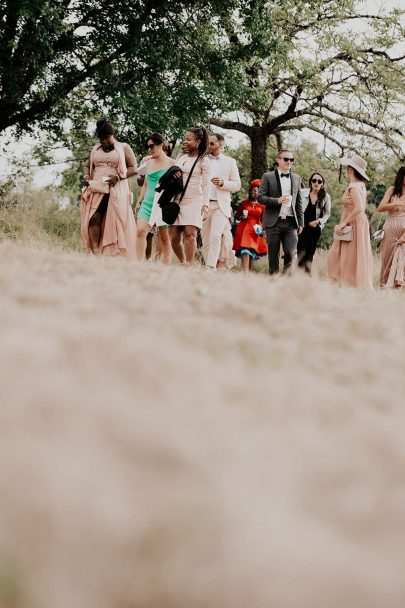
(150, 146)
(316, 181)
(288, 160)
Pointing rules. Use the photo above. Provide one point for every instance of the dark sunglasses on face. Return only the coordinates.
(150, 146)
(288, 160)
(317, 181)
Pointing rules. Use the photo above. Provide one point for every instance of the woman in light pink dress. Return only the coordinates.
(393, 243)
(351, 262)
(107, 220)
(196, 198)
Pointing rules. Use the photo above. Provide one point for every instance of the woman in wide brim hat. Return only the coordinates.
(351, 262)
(358, 164)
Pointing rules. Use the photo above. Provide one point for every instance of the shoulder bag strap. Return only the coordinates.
(189, 177)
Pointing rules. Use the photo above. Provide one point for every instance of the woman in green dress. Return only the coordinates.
(157, 165)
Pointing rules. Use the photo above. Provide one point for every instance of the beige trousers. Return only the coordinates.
(214, 233)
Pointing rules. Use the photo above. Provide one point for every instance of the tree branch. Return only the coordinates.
(231, 124)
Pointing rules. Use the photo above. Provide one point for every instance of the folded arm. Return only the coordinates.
(233, 183)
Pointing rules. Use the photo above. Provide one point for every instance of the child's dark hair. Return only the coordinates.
(104, 129)
(201, 134)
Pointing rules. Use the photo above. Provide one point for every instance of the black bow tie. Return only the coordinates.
(284, 174)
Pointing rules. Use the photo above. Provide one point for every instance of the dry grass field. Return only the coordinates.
(173, 438)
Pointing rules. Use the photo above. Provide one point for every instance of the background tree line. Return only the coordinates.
(267, 69)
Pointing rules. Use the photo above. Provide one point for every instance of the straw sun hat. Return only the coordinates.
(357, 163)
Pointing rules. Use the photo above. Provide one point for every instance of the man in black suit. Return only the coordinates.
(280, 191)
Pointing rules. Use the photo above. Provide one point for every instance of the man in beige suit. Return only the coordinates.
(216, 218)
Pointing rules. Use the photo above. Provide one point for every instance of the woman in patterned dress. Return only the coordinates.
(394, 231)
(107, 221)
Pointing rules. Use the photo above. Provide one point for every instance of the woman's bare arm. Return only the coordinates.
(130, 161)
(357, 206)
(385, 204)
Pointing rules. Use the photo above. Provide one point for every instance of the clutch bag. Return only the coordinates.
(346, 234)
(378, 234)
(97, 185)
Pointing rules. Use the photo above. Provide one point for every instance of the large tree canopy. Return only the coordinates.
(263, 68)
(338, 71)
(70, 58)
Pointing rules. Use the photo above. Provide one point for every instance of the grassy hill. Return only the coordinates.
(173, 438)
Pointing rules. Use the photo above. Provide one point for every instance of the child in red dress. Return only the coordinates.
(249, 243)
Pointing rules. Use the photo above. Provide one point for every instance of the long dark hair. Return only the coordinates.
(321, 200)
(201, 134)
(399, 182)
(104, 128)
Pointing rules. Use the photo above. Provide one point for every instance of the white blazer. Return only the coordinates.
(227, 170)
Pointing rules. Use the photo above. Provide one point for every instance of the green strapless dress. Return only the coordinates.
(152, 179)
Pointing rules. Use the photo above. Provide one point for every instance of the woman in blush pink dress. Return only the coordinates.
(107, 221)
(350, 262)
(392, 245)
(196, 198)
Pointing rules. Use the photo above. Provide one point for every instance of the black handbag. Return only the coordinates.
(171, 210)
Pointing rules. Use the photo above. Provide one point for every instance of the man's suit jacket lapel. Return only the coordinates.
(278, 181)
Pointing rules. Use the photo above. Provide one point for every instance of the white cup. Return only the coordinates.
(245, 213)
(288, 203)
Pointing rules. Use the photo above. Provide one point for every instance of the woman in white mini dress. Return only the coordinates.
(183, 233)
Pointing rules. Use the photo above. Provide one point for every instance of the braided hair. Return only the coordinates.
(201, 134)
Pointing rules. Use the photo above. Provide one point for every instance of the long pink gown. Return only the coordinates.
(391, 254)
(351, 262)
(119, 228)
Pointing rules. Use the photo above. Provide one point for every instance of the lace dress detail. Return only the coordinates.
(394, 228)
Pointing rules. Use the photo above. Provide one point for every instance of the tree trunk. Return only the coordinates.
(259, 141)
